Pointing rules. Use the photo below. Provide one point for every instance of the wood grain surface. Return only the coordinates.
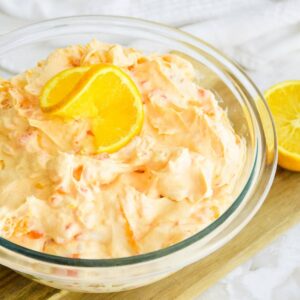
(280, 211)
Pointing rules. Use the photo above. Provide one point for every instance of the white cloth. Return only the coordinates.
(264, 37)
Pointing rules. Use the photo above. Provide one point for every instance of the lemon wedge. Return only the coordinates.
(284, 102)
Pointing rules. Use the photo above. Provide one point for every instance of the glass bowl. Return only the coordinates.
(21, 49)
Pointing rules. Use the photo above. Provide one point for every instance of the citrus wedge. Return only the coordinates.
(57, 88)
(284, 103)
(103, 93)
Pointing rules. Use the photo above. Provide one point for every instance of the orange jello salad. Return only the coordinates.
(61, 196)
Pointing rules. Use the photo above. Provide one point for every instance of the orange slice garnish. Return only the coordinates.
(103, 93)
(57, 88)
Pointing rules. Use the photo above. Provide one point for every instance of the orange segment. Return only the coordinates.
(106, 95)
(57, 88)
(284, 103)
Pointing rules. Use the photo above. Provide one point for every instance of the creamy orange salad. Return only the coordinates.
(58, 196)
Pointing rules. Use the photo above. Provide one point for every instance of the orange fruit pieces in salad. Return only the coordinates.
(284, 103)
(103, 93)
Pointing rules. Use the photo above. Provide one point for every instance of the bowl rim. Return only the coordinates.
(141, 258)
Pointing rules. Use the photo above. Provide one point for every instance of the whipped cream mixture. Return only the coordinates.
(172, 180)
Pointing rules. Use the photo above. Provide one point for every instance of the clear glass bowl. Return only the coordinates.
(21, 49)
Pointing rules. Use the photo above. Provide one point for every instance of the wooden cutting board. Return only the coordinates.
(280, 211)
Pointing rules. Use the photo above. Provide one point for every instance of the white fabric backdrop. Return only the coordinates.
(264, 37)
